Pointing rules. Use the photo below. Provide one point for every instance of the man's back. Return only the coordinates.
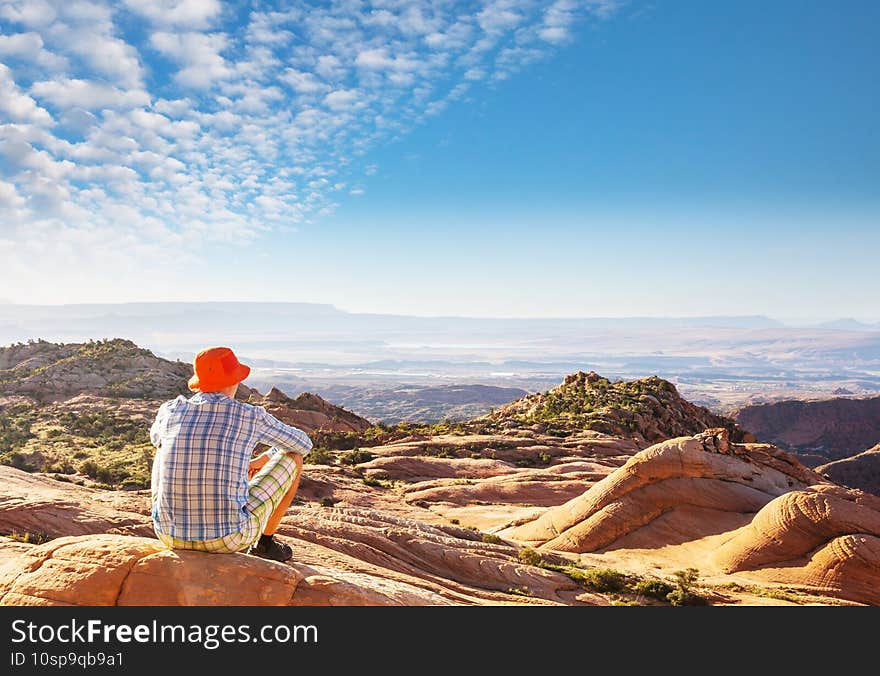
(200, 472)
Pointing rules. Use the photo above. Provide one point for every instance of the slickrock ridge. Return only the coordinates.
(858, 471)
(706, 471)
(828, 538)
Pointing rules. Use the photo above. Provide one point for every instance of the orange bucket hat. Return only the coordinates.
(216, 368)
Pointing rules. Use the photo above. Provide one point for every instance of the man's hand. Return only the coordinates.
(256, 464)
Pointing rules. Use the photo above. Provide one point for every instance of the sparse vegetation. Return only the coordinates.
(29, 537)
(357, 456)
(377, 483)
(328, 502)
(492, 539)
(319, 456)
(653, 588)
(530, 557)
(684, 594)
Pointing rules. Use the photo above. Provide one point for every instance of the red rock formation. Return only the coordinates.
(705, 471)
(834, 428)
(858, 471)
(308, 411)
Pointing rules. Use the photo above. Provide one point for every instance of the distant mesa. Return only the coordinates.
(826, 430)
(858, 471)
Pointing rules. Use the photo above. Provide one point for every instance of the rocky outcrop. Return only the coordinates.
(650, 409)
(834, 428)
(108, 570)
(706, 471)
(110, 368)
(858, 471)
(309, 412)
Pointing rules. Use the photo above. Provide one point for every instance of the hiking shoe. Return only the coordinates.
(270, 548)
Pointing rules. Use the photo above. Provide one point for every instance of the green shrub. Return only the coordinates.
(327, 502)
(319, 456)
(33, 538)
(530, 557)
(492, 539)
(357, 456)
(655, 589)
(544, 458)
(684, 595)
(605, 580)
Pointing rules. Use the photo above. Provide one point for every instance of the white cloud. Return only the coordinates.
(31, 13)
(342, 99)
(561, 15)
(87, 94)
(302, 82)
(189, 14)
(18, 106)
(198, 54)
(29, 46)
(498, 16)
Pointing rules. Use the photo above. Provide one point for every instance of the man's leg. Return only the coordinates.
(276, 516)
(269, 495)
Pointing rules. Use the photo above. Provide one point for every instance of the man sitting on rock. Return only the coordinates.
(208, 493)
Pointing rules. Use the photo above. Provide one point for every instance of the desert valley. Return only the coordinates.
(590, 492)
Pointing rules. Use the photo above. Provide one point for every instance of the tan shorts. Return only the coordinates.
(265, 492)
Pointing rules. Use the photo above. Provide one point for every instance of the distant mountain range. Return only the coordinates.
(721, 362)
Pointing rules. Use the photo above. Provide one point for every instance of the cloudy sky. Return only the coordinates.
(497, 157)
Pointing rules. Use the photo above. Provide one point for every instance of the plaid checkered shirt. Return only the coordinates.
(200, 472)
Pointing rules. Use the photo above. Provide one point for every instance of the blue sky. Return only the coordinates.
(505, 158)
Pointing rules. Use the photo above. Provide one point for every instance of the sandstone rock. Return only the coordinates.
(308, 411)
(727, 478)
(36, 504)
(101, 570)
(794, 525)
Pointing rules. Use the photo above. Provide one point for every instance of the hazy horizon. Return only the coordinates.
(794, 322)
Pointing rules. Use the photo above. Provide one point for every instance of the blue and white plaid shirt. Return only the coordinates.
(200, 480)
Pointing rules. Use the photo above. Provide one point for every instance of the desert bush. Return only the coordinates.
(319, 456)
(684, 594)
(530, 557)
(653, 588)
(605, 580)
(492, 539)
(357, 456)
